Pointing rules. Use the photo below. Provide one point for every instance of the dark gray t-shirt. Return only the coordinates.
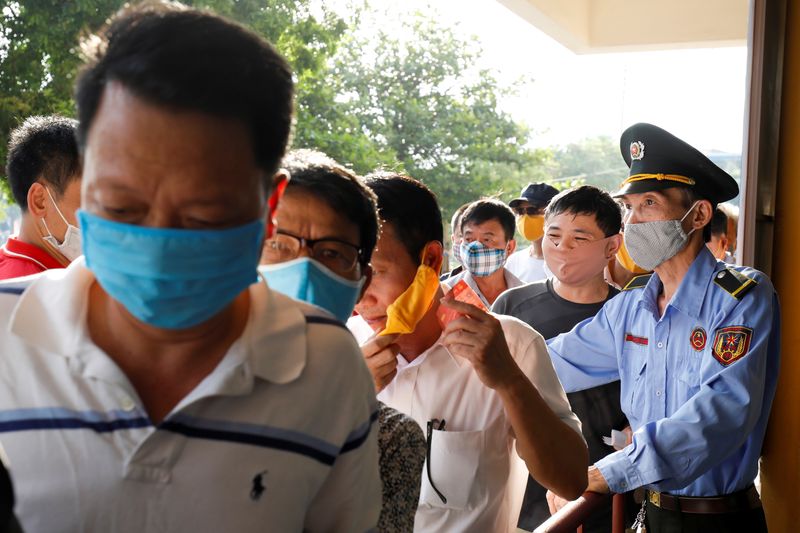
(598, 408)
(548, 313)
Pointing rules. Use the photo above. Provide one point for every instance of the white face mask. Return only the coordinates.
(71, 246)
(651, 243)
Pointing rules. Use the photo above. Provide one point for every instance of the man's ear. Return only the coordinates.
(510, 247)
(702, 214)
(433, 255)
(279, 183)
(37, 200)
(614, 242)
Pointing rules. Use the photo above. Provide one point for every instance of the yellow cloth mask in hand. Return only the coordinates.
(626, 261)
(531, 226)
(403, 315)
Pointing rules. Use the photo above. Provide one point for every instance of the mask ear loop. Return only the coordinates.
(687, 214)
(44, 222)
(49, 233)
(57, 209)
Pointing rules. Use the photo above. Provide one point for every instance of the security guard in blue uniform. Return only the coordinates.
(695, 346)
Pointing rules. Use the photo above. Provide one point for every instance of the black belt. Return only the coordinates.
(743, 500)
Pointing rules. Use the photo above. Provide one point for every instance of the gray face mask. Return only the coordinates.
(651, 243)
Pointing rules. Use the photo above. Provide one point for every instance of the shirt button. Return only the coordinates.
(623, 484)
(658, 393)
(660, 344)
(127, 403)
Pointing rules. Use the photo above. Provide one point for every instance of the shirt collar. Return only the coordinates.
(403, 364)
(277, 333)
(511, 282)
(17, 248)
(689, 297)
(51, 315)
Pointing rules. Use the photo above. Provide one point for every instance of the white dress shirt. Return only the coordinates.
(471, 459)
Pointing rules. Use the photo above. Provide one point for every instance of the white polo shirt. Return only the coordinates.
(526, 267)
(471, 459)
(279, 437)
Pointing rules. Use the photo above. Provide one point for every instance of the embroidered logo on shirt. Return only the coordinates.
(698, 338)
(258, 486)
(642, 341)
(731, 344)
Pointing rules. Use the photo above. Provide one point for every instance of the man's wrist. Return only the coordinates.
(515, 387)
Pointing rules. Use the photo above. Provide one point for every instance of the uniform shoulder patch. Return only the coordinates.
(734, 283)
(637, 282)
(731, 344)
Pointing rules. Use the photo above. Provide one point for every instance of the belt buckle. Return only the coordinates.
(654, 497)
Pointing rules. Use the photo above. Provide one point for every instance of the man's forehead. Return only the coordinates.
(388, 240)
(578, 222)
(489, 225)
(666, 194)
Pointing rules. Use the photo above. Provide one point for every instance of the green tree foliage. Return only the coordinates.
(410, 98)
(419, 97)
(39, 56)
(592, 161)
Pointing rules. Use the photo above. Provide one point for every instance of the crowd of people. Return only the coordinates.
(202, 332)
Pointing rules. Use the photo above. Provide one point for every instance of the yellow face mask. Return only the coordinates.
(531, 226)
(403, 315)
(625, 260)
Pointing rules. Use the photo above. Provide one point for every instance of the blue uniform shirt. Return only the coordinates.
(697, 382)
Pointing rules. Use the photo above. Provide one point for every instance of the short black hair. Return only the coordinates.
(455, 221)
(42, 147)
(410, 207)
(719, 222)
(187, 59)
(322, 177)
(590, 201)
(487, 209)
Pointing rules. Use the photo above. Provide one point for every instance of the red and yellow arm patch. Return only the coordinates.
(731, 344)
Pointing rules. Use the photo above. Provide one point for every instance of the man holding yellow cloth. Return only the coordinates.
(475, 385)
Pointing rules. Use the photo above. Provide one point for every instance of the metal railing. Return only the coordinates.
(575, 513)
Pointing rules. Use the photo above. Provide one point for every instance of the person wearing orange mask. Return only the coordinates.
(528, 264)
(477, 384)
(581, 235)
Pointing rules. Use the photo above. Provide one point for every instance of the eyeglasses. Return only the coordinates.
(338, 255)
(530, 210)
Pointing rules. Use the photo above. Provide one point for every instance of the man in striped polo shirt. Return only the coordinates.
(154, 385)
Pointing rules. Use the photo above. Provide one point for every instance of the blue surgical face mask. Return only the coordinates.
(171, 278)
(310, 281)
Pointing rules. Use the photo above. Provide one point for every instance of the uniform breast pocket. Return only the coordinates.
(452, 468)
(632, 378)
(690, 374)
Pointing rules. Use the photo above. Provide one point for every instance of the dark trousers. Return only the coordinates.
(662, 521)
